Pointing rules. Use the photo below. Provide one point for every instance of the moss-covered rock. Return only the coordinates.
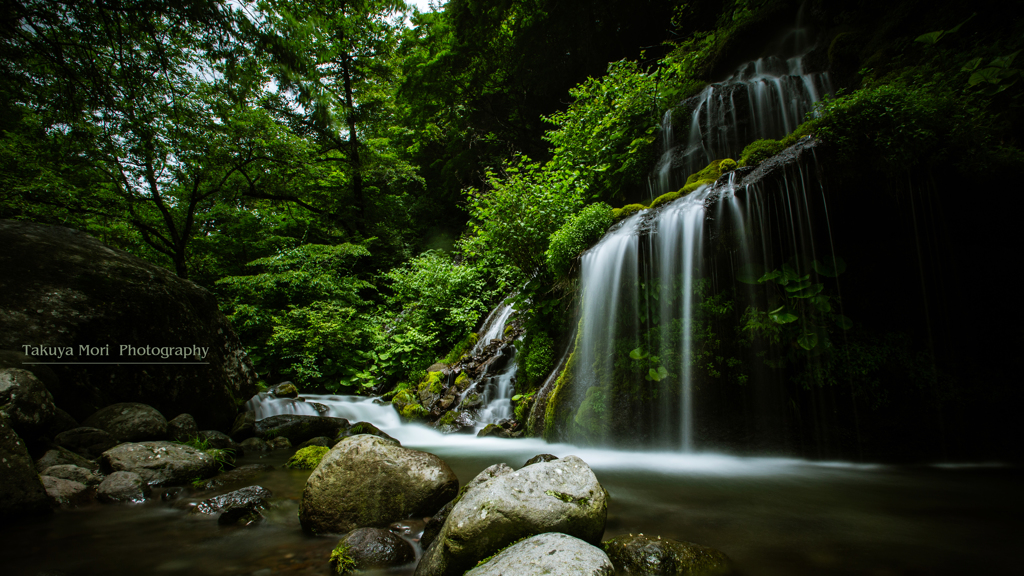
(626, 211)
(370, 549)
(666, 198)
(462, 348)
(307, 458)
(639, 554)
(367, 481)
(760, 150)
(502, 505)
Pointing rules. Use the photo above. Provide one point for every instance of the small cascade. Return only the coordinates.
(764, 98)
(493, 328)
(660, 180)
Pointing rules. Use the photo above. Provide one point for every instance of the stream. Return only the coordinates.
(772, 516)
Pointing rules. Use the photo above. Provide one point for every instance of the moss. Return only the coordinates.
(462, 348)
(568, 498)
(413, 411)
(710, 172)
(559, 397)
(341, 561)
(448, 419)
(760, 150)
(462, 380)
(307, 458)
(727, 165)
(626, 211)
(508, 330)
(666, 198)
(433, 382)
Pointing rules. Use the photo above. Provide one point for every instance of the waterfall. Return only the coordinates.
(493, 328)
(497, 388)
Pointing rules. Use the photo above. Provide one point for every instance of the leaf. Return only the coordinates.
(654, 375)
(769, 276)
(637, 354)
(790, 272)
(663, 372)
(809, 292)
(844, 322)
(782, 317)
(990, 75)
(517, 397)
(821, 303)
(931, 37)
(1004, 61)
(972, 65)
(808, 340)
(798, 286)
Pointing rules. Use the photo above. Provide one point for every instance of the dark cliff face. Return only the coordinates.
(60, 288)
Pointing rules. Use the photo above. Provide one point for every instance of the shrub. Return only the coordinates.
(575, 236)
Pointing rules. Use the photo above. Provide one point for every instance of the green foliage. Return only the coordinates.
(994, 78)
(929, 39)
(307, 458)
(607, 134)
(515, 219)
(462, 348)
(760, 150)
(535, 359)
(576, 235)
(341, 560)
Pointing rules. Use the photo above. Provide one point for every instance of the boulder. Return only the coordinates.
(541, 458)
(21, 491)
(160, 463)
(367, 481)
(284, 390)
(501, 506)
(130, 422)
(26, 403)
(221, 441)
(371, 548)
(61, 422)
(550, 554)
(364, 428)
(15, 359)
(244, 426)
(65, 295)
(182, 428)
(122, 486)
(86, 441)
(58, 455)
(298, 428)
(279, 443)
(253, 498)
(639, 554)
(75, 473)
(255, 446)
(68, 493)
(433, 526)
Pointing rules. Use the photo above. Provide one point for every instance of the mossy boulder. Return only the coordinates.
(367, 481)
(550, 554)
(501, 506)
(160, 463)
(639, 554)
(626, 211)
(21, 491)
(370, 549)
(65, 289)
(26, 402)
(298, 428)
(130, 422)
(760, 150)
(284, 390)
(307, 458)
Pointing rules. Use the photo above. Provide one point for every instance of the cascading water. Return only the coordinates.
(493, 328)
(497, 387)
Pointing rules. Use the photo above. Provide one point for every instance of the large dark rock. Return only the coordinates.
(550, 554)
(123, 487)
(502, 505)
(237, 477)
(86, 441)
(375, 548)
(21, 491)
(160, 463)
(639, 554)
(66, 493)
(182, 428)
(250, 496)
(298, 428)
(244, 426)
(75, 473)
(367, 481)
(26, 403)
(57, 456)
(130, 422)
(63, 289)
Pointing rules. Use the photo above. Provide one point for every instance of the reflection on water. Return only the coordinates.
(773, 516)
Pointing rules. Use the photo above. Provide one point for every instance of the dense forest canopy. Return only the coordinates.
(360, 182)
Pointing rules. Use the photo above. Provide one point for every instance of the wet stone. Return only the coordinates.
(74, 473)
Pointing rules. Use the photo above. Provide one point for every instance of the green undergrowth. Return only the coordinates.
(461, 349)
(576, 235)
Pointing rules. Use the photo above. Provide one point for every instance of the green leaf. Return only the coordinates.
(637, 354)
(517, 397)
(972, 65)
(809, 292)
(931, 37)
(782, 317)
(1004, 61)
(663, 372)
(808, 340)
(654, 375)
(844, 322)
(791, 273)
(990, 75)
(770, 276)
(821, 303)
(798, 286)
